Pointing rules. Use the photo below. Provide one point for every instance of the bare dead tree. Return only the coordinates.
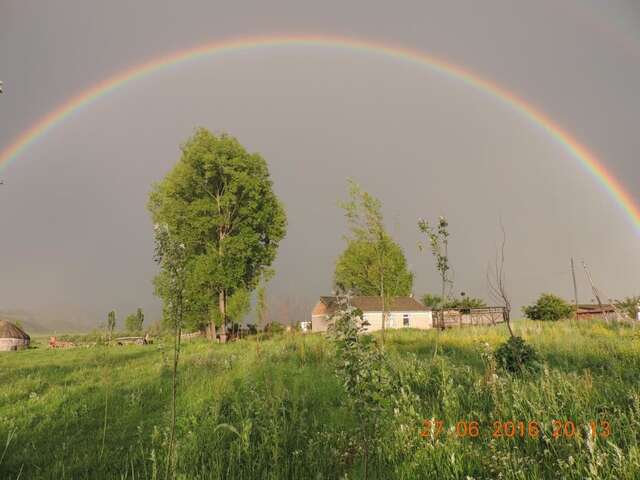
(496, 281)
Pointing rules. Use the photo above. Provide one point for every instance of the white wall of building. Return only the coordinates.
(422, 320)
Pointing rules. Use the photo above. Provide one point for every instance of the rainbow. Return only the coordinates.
(537, 117)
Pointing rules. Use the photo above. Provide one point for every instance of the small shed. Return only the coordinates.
(12, 337)
(591, 311)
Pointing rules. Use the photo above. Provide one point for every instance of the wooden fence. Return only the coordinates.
(470, 317)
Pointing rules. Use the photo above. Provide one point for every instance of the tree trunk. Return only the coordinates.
(222, 304)
(507, 317)
(444, 300)
(384, 306)
(212, 331)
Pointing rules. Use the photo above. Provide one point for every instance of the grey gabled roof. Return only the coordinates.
(374, 304)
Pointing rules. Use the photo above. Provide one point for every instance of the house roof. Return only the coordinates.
(9, 330)
(590, 308)
(374, 304)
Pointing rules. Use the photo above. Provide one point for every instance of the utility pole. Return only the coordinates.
(575, 286)
(595, 291)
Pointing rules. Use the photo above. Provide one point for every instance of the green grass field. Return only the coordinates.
(277, 409)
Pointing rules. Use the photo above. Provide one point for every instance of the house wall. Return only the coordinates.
(319, 323)
(421, 320)
(8, 344)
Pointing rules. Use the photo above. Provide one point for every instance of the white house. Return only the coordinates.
(404, 312)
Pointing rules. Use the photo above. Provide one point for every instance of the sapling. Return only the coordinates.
(496, 281)
(362, 366)
(438, 238)
(170, 254)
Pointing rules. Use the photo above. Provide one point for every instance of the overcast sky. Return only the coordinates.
(76, 239)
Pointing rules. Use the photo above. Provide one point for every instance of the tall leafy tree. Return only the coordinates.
(133, 322)
(358, 269)
(372, 263)
(219, 202)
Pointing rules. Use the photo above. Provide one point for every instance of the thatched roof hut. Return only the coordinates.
(12, 337)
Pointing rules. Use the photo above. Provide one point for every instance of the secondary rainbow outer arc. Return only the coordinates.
(568, 142)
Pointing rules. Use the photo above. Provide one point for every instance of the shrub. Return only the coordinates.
(274, 328)
(517, 356)
(465, 303)
(363, 368)
(629, 306)
(548, 307)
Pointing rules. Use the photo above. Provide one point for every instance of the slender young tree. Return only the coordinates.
(139, 318)
(371, 252)
(496, 280)
(171, 255)
(261, 304)
(438, 241)
(111, 323)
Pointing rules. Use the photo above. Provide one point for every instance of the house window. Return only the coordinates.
(405, 320)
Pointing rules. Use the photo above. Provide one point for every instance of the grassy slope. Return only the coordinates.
(102, 412)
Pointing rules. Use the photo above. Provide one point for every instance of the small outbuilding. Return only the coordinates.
(591, 311)
(12, 337)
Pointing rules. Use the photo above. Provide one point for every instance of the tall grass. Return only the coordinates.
(280, 411)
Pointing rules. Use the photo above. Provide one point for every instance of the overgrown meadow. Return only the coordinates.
(278, 408)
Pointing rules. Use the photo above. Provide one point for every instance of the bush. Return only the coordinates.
(274, 328)
(629, 306)
(464, 303)
(517, 356)
(548, 307)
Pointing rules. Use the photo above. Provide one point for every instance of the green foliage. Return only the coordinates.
(431, 300)
(239, 305)
(261, 306)
(274, 328)
(363, 371)
(111, 322)
(219, 203)
(372, 263)
(131, 323)
(435, 301)
(358, 269)
(134, 321)
(261, 299)
(629, 306)
(517, 356)
(548, 307)
(172, 257)
(293, 417)
(438, 238)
